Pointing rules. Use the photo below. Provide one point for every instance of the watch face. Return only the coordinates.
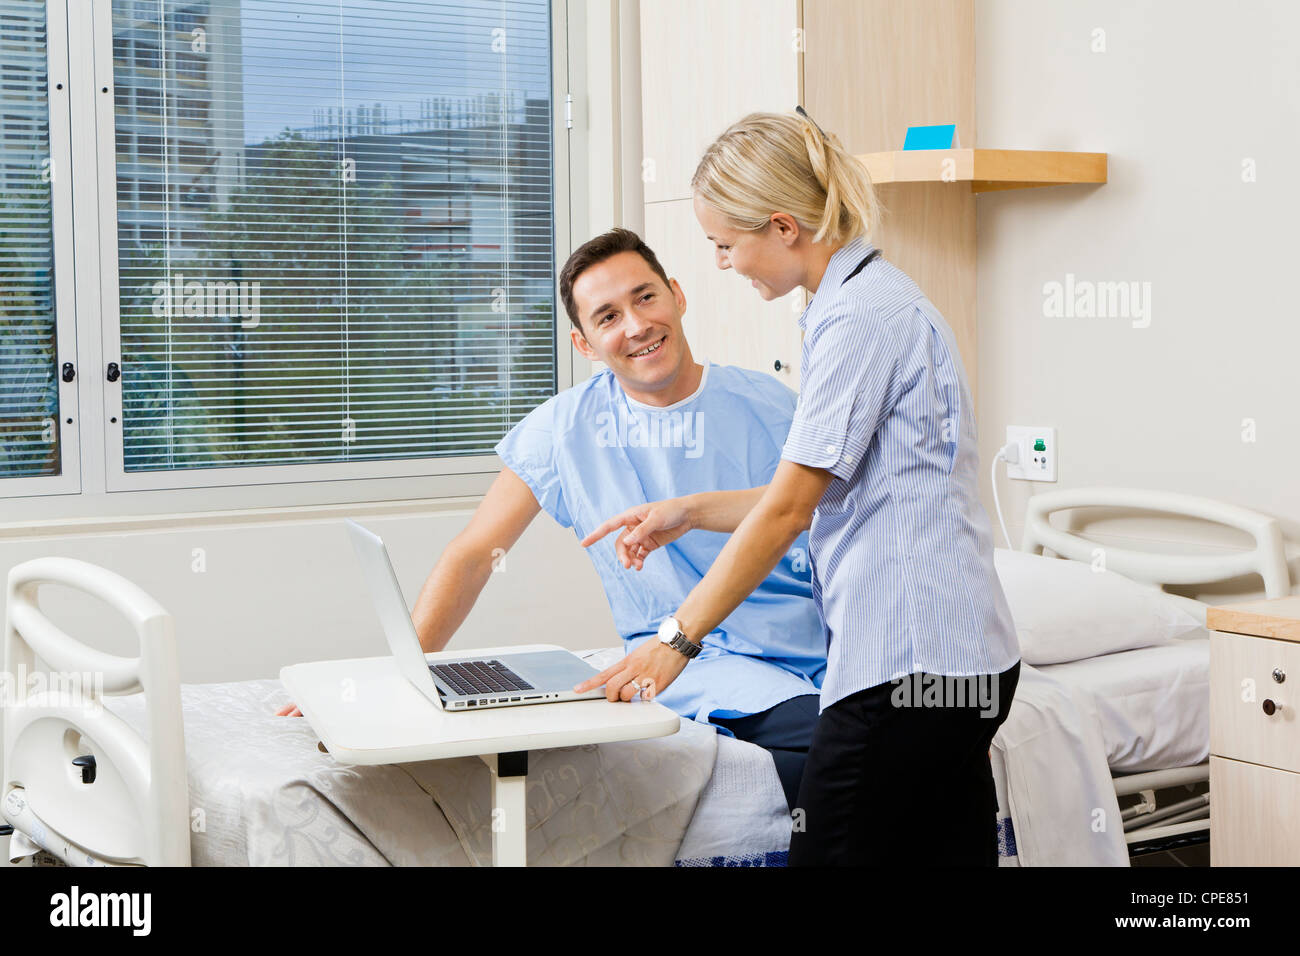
(668, 629)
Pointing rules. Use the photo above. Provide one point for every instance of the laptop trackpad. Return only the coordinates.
(550, 670)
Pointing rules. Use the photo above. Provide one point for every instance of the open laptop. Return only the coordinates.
(471, 683)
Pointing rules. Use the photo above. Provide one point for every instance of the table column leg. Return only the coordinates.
(509, 807)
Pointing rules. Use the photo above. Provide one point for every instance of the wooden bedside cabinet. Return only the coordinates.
(1255, 733)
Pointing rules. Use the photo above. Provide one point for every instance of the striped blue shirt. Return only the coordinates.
(901, 550)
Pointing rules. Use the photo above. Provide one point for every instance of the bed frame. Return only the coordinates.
(1147, 826)
(96, 781)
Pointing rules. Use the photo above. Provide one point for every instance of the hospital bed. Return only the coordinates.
(1150, 705)
(132, 768)
(239, 785)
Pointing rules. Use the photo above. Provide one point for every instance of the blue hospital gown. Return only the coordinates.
(591, 452)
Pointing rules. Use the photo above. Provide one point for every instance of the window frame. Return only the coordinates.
(68, 480)
(371, 480)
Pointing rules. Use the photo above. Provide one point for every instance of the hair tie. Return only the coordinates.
(804, 113)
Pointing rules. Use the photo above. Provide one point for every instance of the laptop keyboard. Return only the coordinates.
(479, 677)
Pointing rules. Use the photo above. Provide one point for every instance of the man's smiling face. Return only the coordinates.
(631, 322)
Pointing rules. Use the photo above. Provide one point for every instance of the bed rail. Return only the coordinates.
(1267, 558)
(77, 778)
(1147, 824)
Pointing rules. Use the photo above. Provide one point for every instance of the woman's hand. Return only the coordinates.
(645, 528)
(645, 672)
(289, 710)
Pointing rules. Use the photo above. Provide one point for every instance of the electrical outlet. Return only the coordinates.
(1038, 453)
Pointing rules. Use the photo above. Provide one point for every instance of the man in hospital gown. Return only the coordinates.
(653, 424)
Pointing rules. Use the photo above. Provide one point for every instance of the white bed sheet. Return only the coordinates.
(1152, 704)
(262, 793)
(741, 818)
(1056, 803)
(265, 795)
(1073, 726)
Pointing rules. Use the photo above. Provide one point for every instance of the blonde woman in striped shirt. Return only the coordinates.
(881, 467)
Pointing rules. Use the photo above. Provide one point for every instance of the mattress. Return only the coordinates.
(1152, 704)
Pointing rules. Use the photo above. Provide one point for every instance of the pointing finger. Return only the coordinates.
(604, 529)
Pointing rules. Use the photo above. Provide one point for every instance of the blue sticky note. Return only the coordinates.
(931, 137)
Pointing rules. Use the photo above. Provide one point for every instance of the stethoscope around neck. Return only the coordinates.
(862, 265)
(867, 260)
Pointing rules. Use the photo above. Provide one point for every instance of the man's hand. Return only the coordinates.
(645, 672)
(645, 528)
(288, 710)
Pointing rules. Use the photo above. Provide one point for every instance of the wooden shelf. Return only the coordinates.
(986, 169)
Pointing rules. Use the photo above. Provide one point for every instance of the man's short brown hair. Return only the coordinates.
(595, 251)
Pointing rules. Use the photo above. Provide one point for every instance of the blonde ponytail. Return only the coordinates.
(783, 162)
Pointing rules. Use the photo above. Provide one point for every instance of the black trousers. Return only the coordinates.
(786, 732)
(899, 774)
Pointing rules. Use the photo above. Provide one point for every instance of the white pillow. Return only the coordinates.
(1066, 611)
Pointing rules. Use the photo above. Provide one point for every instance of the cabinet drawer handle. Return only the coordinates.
(1270, 707)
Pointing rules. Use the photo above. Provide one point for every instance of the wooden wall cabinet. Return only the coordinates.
(743, 56)
(864, 69)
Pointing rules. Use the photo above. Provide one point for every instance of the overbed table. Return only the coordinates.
(366, 712)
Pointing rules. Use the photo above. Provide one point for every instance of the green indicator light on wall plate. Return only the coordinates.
(1038, 445)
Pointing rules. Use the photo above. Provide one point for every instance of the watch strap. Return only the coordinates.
(683, 645)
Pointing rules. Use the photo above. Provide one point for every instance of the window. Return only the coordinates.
(326, 239)
(288, 304)
(33, 433)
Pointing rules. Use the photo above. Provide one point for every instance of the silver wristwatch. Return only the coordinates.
(670, 633)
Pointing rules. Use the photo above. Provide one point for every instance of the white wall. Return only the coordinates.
(286, 589)
(1183, 94)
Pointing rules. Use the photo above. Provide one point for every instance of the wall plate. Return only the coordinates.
(1038, 452)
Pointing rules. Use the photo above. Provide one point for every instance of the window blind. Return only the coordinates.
(29, 390)
(335, 226)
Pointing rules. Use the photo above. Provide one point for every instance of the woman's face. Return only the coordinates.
(766, 257)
